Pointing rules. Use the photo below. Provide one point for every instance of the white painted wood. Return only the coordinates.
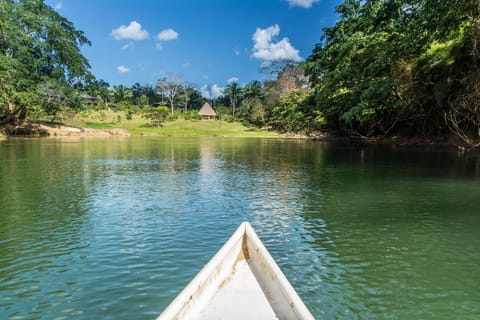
(242, 281)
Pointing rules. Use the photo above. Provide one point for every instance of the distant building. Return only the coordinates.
(160, 104)
(207, 112)
(91, 101)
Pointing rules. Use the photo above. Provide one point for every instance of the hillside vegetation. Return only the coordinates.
(410, 68)
(387, 68)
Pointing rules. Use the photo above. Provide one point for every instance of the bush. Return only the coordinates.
(191, 115)
(128, 114)
(35, 112)
(228, 118)
(157, 115)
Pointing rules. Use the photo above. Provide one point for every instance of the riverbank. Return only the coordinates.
(44, 129)
(137, 127)
(450, 141)
(115, 124)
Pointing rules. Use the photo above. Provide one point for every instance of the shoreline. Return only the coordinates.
(57, 130)
(444, 142)
(46, 130)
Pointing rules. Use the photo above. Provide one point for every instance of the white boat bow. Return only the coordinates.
(242, 281)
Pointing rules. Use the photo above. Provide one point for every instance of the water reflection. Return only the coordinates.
(116, 228)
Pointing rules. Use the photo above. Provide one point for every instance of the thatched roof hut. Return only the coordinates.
(207, 112)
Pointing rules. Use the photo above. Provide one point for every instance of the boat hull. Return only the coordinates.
(242, 281)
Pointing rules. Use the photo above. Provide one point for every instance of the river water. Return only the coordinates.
(115, 228)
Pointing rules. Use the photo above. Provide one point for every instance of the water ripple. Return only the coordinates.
(114, 229)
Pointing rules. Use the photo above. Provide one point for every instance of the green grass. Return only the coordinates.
(139, 126)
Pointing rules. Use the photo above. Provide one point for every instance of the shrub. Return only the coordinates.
(191, 115)
(157, 115)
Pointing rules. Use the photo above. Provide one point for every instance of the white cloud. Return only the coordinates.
(58, 6)
(217, 91)
(133, 31)
(167, 35)
(123, 69)
(205, 91)
(159, 46)
(301, 3)
(127, 46)
(267, 50)
(211, 92)
(232, 80)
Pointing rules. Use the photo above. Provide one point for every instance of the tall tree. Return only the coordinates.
(137, 93)
(234, 92)
(37, 44)
(254, 89)
(121, 93)
(170, 87)
(188, 91)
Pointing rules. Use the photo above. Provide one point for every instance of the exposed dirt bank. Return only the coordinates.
(59, 130)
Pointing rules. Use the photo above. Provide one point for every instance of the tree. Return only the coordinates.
(188, 91)
(100, 89)
(254, 89)
(233, 91)
(157, 115)
(297, 113)
(252, 108)
(52, 97)
(253, 111)
(151, 94)
(137, 93)
(47, 43)
(37, 45)
(392, 66)
(170, 87)
(196, 100)
(120, 93)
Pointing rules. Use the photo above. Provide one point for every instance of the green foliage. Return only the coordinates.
(253, 111)
(297, 113)
(120, 94)
(40, 59)
(157, 115)
(128, 114)
(254, 89)
(191, 115)
(35, 112)
(52, 97)
(392, 66)
(99, 89)
(234, 92)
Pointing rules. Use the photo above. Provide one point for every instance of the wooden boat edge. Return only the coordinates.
(186, 303)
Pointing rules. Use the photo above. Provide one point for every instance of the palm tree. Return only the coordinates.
(120, 93)
(234, 92)
(254, 89)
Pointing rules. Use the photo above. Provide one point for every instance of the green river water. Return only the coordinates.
(115, 228)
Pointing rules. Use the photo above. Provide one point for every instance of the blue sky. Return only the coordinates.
(208, 42)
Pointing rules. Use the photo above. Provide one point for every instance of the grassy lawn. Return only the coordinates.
(139, 126)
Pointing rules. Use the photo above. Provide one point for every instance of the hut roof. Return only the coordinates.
(207, 110)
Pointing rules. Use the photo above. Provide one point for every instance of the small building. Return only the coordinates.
(207, 112)
(89, 100)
